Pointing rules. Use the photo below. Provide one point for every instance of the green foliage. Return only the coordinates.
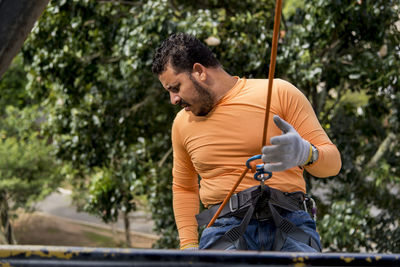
(89, 65)
(161, 203)
(331, 47)
(346, 59)
(12, 86)
(345, 228)
(104, 103)
(28, 168)
(101, 94)
(113, 190)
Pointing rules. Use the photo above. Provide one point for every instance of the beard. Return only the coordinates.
(205, 99)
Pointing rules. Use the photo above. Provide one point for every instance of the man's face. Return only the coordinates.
(186, 91)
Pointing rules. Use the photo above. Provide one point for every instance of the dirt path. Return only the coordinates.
(44, 229)
(59, 203)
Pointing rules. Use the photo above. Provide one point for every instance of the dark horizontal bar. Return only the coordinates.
(83, 256)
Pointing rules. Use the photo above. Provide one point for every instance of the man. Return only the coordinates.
(218, 130)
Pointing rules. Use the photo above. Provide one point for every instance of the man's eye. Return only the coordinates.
(174, 89)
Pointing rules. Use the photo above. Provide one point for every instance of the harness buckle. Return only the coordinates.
(305, 205)
(310, 210)
(234, 206)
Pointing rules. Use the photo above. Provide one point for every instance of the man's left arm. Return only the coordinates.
(300, 129)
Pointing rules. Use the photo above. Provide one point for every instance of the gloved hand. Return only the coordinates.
(191, 246)
(286, 150)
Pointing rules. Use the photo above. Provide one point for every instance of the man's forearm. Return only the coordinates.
(186, 206)
(329, 162)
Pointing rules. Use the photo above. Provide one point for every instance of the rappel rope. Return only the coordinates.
(250, 164)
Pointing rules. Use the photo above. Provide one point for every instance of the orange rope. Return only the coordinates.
(278, 9)
(272, 64)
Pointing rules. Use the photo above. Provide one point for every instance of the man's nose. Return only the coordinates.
(174, 98)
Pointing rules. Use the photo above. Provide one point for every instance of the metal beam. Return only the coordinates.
(81, 256)
(17, 18)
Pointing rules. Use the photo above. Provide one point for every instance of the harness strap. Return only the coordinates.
(234, 236)
(240, 202)
(254, 198)
(285, 229)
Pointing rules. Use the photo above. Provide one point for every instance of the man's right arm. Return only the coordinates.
(186, 206)
(185, 193)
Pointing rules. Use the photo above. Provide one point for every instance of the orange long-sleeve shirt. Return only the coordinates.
(217, 146)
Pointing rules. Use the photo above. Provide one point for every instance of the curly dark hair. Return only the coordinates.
(182, 51)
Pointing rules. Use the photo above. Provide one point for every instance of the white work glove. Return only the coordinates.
(191, 246)
(286, 150)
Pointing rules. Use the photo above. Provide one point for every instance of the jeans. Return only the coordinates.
(260, 235)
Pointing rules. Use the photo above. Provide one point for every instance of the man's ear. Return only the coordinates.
(199, 72)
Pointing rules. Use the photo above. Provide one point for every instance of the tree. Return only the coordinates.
(101, 91)
(90, 64)
(28, 169)
(113, 189)
(12, 86)
(345, 56)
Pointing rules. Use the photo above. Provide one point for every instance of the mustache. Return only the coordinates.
(183, 103)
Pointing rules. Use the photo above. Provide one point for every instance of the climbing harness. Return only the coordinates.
(262, 203)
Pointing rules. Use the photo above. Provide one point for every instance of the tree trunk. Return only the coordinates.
(114, 233)
(16, 21)
(127, 229)
(6, 229)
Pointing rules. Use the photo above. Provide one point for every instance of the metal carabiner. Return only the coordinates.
(260, 174)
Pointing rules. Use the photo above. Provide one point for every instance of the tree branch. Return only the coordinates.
(128, 3)
(384, 146)
(164, 158)
(337, 101)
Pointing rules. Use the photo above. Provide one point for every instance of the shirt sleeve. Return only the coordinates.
(297, 110)
(185, 190)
